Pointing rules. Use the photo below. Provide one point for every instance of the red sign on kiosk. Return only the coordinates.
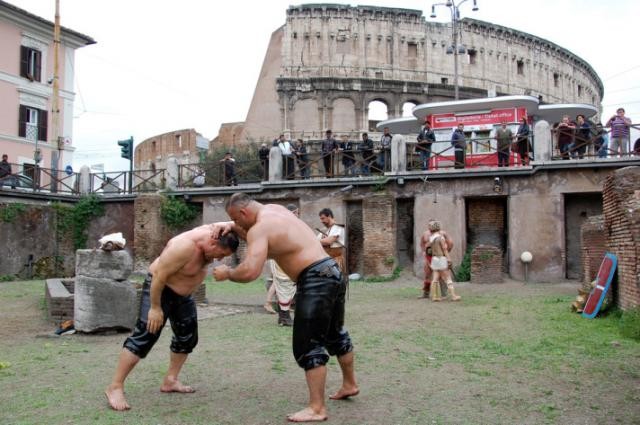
(494, 117)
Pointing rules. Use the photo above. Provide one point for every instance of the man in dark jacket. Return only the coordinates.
(329, 146)
(459, 144)
(368, 157)
(426, 137)
(5, 172)
(263, 154)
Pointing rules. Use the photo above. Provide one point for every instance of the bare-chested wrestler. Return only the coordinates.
(166, 293)
(273, 232)
(426, 249)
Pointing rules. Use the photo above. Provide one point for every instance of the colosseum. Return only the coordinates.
(327, 64)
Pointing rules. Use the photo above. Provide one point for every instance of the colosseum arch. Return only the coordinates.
(305, 116)
(377, 110)
(407, 108)
(343, 115)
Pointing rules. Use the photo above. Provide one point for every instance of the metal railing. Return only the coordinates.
(29, 177)
(479, 152)
(220, 173)
(576, 143)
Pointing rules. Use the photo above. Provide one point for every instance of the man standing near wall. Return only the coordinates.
(426, 138)
(318, 326)
(288, 159)
(385, 149)
(503, 137)
(333, 239)
(459, 144)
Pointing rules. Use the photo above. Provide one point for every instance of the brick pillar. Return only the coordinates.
(621, 209)
(379, 234)
(150, 232)
(486, 264)
(593, 241)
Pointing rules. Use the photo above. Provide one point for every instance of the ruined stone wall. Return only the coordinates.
(621, 207)
(593, 240)
(150, 232)
(154, 151)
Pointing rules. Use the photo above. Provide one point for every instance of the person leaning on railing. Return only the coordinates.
(566, 133)
(302, 157)
(263, 154)
(584, 133)
(600, 141)
(348, 159)
(328, 147)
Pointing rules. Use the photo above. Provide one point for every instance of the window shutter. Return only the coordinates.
(37, 65)
(22, 121)
(24, 61)
(42, 124)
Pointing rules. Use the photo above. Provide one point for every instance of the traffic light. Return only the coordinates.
(127, 148)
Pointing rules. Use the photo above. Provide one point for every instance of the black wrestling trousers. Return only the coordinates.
(318, 325)
(180, 310)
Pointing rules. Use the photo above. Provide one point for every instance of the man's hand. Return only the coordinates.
(155, 320)
(220, 229)
(221, 272)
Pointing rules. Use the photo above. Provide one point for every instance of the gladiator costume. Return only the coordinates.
(181, 310)
(285, 287)
(439, 263)
(318, 325)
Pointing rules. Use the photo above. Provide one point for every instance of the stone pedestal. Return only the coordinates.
(103, 297)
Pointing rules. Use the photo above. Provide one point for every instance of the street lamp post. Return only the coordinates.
(455, 29)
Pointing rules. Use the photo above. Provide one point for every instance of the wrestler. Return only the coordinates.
(166, 293)
(273, 232)
(426, 249)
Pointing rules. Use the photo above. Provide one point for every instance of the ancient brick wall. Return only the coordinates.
(378, 224)
(593, 242)
(486, 223)
(621, 207)
(486, 264)
(150, 232)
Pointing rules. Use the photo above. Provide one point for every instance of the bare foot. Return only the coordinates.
(269, 308)
(344, 393)
(176, 387)
(307, 415)
(115, 397)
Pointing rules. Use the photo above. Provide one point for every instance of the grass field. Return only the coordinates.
(506, 354)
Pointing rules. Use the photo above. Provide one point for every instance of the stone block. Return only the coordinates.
(104, 304)
(116, 265)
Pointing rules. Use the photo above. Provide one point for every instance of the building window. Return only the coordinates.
(30, 63)
(579, 90)
(520, 65)
(379, 75)
(556, 80)
(444, 81)
(472, 57)
(32, 123)
(412, 51)
(179, 140)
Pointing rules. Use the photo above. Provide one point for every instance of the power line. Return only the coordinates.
(622, 72)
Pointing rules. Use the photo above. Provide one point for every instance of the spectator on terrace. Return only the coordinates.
(348, 158)
(565, 133)
(263, 154)
(229, 164)
(328, 149)
(620, 133)
(300, 151)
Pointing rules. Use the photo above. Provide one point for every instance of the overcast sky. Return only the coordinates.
(162, 65)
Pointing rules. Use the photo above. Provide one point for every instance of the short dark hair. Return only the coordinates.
(238, 199)
(365, 134)
(292, 207)
(328, 131)
(230, 241)
(326, 212)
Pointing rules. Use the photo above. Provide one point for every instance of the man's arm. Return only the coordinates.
(251, 267)
(221, 228)
(448, 240)
(172, 259)
(423, 242)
